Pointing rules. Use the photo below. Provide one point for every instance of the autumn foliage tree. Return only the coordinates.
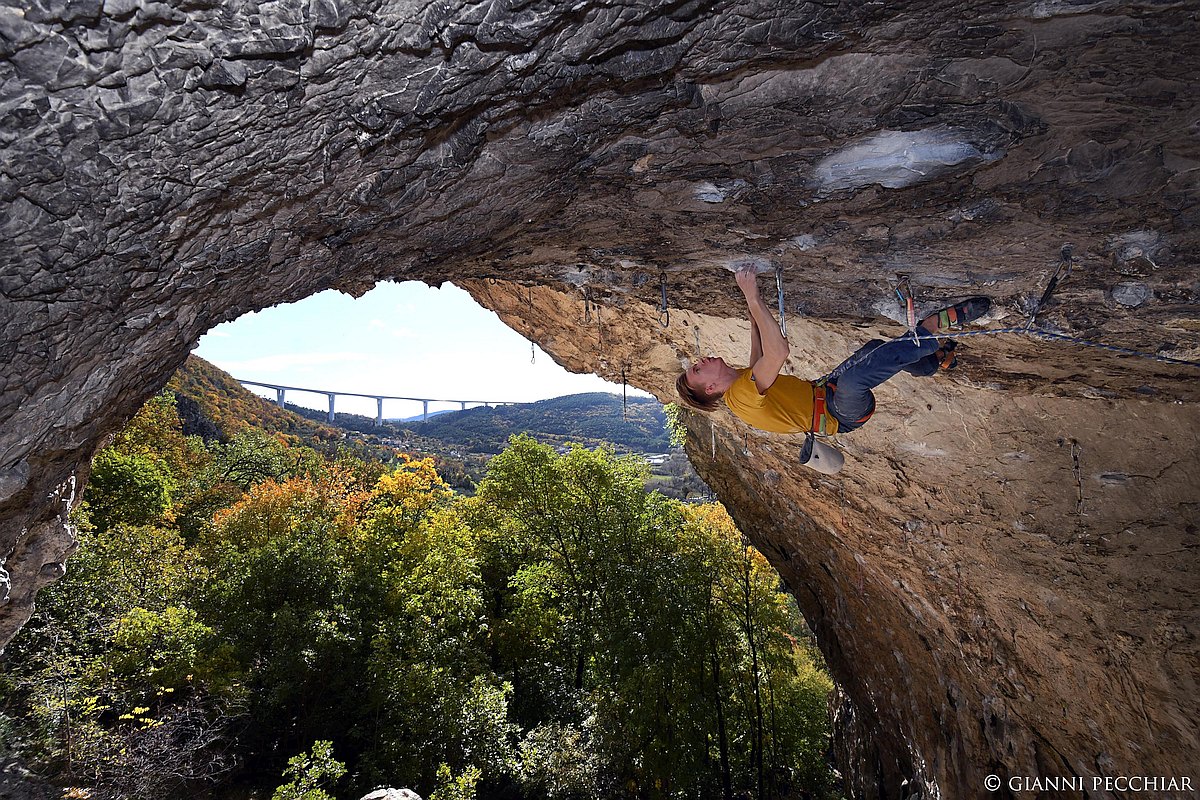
(562, 634)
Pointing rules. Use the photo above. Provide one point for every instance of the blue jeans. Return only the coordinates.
(871, 365)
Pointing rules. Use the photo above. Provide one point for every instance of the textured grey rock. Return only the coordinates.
(167, 167)
(1131, 294)
(13, 479)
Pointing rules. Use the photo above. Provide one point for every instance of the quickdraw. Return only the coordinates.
(908, 303)
(624, 398)
(532, 349)
(664, 311)
(1065, 262)
(779, 289)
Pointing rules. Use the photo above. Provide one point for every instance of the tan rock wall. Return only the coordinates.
(1003, 577)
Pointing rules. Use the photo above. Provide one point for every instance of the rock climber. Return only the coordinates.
(764, 399)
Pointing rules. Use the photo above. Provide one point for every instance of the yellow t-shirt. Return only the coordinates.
(787, 407)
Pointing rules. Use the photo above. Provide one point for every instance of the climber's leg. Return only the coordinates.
(852, 399)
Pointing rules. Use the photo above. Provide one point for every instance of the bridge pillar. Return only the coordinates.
(425, 411)
(378, 412)
(279, 393)
(331, 399)
(464, 405)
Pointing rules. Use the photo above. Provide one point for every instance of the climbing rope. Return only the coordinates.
(1032, 331)
(1062, 337)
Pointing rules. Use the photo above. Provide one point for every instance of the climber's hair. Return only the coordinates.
(693, 398)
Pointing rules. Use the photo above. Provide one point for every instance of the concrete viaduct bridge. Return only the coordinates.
(281, 391)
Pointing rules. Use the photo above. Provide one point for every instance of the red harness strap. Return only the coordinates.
(820, 408)
(818, 420)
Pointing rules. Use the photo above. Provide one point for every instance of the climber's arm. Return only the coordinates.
(774, 348)
(755, 342)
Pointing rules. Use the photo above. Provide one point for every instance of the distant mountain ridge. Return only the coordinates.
(215, 405)
(590, 419)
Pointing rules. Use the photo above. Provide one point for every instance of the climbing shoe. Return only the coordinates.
(946, 357)
(955, 316)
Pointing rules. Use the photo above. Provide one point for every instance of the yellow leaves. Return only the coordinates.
(414, 482)
(267, 510)
(273, 508)
(409, 492)
(714, 517)
(140, 715)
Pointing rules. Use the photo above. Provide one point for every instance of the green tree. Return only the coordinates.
(251, 457)
(127, 488)
(309, 772)
(563, 629)
(642, 630)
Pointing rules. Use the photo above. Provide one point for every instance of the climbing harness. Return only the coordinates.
(664, 312)
(779, 288)
(1066, 261)
(819, 415)
(823, 392)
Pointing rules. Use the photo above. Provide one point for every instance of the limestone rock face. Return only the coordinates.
(1002, 578)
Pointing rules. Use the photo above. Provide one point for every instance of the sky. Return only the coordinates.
(405, 339)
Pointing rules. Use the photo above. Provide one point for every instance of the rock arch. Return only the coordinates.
(1003, 580)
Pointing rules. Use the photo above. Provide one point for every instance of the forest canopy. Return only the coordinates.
(269, 621)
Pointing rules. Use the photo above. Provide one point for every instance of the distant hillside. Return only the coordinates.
(214, 405)
(589, 419)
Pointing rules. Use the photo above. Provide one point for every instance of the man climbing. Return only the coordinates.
(776, 403)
